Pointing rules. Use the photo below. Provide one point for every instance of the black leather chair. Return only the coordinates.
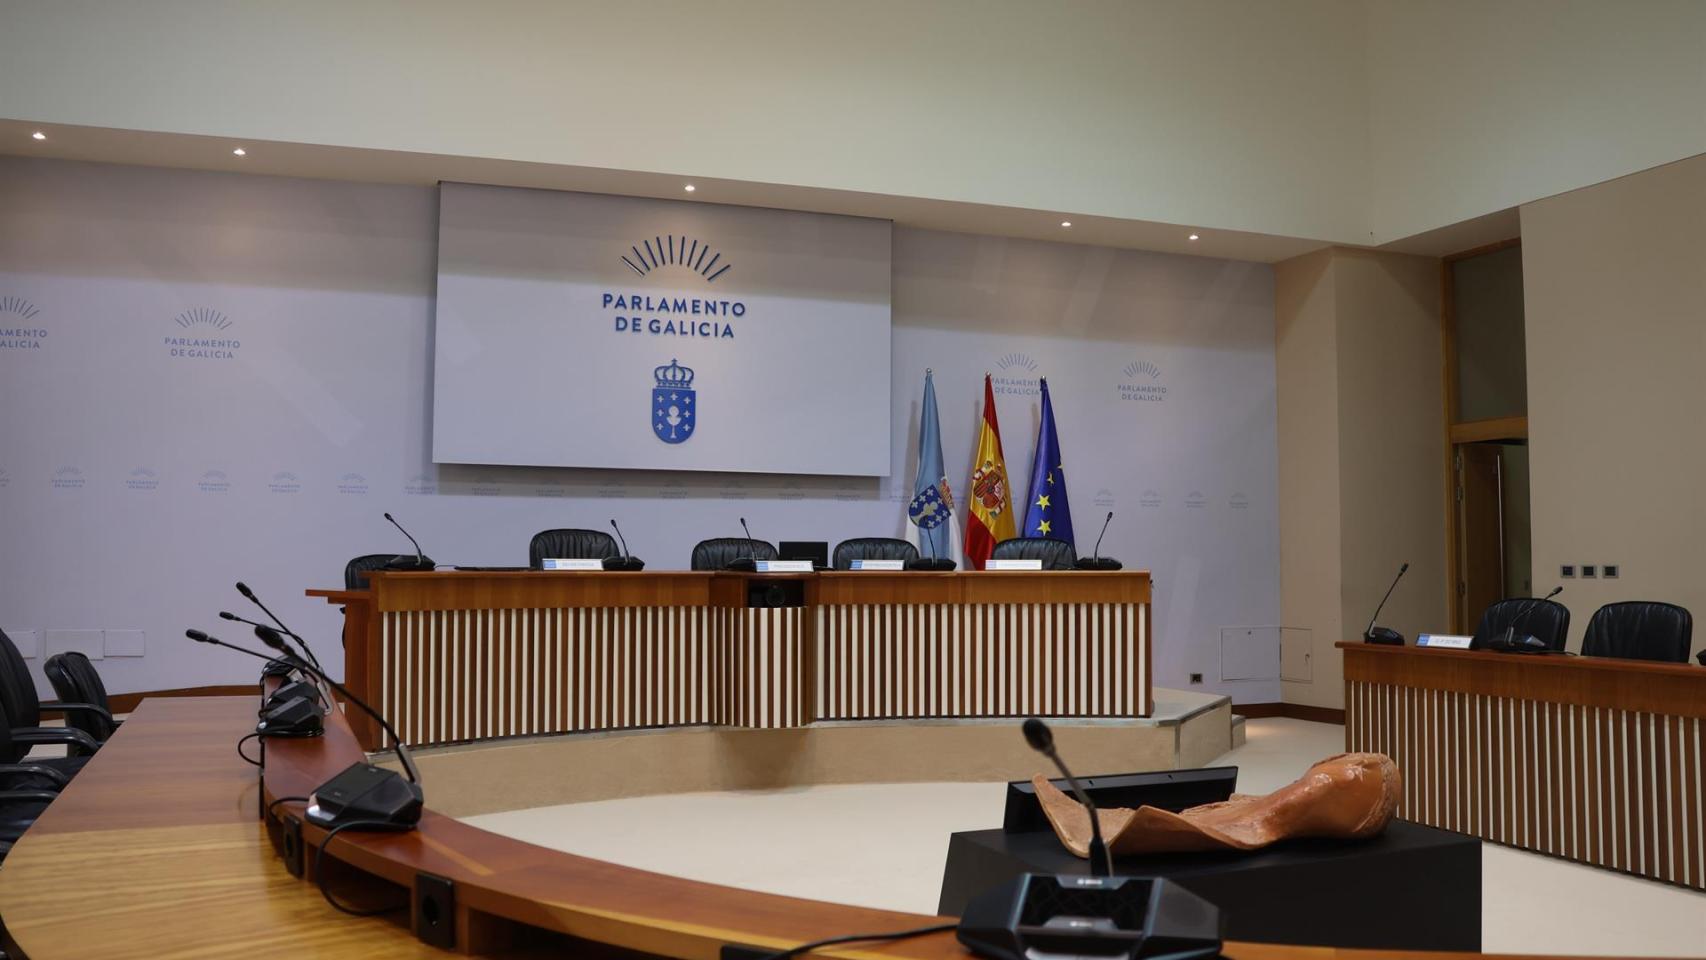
(26, 789)
(872, 548)
(75, 680)
(566, 544)
(1640, 630)
(1547, 620)
(1055, 554)
(24, 709)
(356, 571)
(716, 553)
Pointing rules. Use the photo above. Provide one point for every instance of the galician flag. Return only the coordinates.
(930, 514)
(1047, 513)
(991, 519)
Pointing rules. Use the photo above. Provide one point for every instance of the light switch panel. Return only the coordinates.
(90, 643)
(124, 643)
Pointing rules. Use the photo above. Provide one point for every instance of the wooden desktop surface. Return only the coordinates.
(155, 851)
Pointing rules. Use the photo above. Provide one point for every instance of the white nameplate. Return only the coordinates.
(1034, 563)
(879, 564)
(574, 563)
(1446, 640)
(784, 566)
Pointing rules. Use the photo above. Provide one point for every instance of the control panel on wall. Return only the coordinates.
(1590, 571)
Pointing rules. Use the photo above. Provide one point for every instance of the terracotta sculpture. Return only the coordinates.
(1350, 796)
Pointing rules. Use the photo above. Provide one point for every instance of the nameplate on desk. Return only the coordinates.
(879, 564)
(573, 563)
(1034, 563)
(1445, 640)
(784, 566)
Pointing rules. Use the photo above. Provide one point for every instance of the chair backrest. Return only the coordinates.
(1055, 554)
(356, 571)
(715, 554)
(568, 544)
(75, 681)
(17, 694)
(1640, 630)
(1547, 620)
(872, 548)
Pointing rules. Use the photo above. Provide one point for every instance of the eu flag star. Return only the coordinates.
(1042, 500)
(1043, 528)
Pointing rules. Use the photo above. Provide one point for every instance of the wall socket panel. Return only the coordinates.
(1567, 571)
(1196, 678)
(1609, 570)
(1589, 571)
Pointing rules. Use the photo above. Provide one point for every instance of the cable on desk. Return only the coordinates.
(791, 952)
(320, 877)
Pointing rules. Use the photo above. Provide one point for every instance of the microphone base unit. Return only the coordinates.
(624, 564)
(1384, 636)
(1116, 918)
(1528, 643)
(290, 691)
(296, 717)
(741, 565)
(367, 793)
(931, 564)
(1099, 563)
(401, 562)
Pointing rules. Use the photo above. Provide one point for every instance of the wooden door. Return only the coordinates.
(1480, 530)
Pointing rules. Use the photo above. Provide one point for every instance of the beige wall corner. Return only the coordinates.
(1361, 453)
(1616, 321)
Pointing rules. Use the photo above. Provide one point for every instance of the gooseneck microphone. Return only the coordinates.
(1527, 643)
(249, 595)
(1095, 561)
(288, 712)
(400, 562)
(627, 562)
(364, 793)
(228, 615)
(1382, 634)
(749, 562)
(1041, 739)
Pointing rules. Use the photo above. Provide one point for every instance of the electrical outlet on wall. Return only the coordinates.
(1589, 571)
(1608, 571)
(1567, 571)
(1196, 678)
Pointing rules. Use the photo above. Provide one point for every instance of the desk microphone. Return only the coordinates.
(1041, 739)
(373, 796)
(748, 563)
(1528, 642)
(420, 561)
(293, 716)
(228, 615)
(248, 594)
(1095, 561)
(627, 562)
(1385, 635)
(931, 563)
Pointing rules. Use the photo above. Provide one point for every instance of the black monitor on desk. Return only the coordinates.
(817, 551)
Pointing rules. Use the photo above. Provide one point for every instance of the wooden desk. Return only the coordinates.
(1586, 758)
(154, 852)
(467, 655)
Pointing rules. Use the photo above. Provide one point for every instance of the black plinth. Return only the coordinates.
(1412, 888)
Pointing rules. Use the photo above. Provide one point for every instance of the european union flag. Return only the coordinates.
(1048, 514)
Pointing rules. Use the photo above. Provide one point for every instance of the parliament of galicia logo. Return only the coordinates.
(674, 403)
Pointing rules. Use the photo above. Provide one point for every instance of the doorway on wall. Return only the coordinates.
(1486, 434)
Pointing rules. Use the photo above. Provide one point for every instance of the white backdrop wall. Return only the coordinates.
(137, 483)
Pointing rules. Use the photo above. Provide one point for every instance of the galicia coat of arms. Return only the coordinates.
(675, 408)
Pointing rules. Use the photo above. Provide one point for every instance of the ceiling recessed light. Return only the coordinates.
(1066, 223)
(1193, 237)
(690, 188)
(240, 152)
(38, 135)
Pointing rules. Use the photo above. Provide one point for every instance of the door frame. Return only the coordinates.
(1462, 431)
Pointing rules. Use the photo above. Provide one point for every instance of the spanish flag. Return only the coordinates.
(991, 519)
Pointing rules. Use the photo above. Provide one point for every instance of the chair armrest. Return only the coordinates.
(35, 796)
(82, 707)
(34, 770)
(70, 736)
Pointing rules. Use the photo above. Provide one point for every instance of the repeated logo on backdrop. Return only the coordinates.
(1139, 383)
(1013, 380)
(142, 478)
(202, 335)
(16, 332)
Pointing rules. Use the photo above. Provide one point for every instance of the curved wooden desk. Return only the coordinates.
(156, 851)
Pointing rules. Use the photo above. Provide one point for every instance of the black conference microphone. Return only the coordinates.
(375, 797)
(419, 561)
(295, 716)
(1095, 561)
(228, 615)
(1528, 642)
(627, 562)
(1385, 635)
(748, 563)
(249, 595)
(931, 563)
(1041, 739)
